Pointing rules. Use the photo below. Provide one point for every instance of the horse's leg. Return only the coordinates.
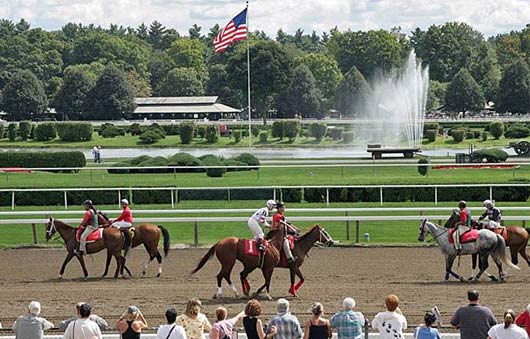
(498, 262)
(107, 264)
(120, 264)
(69, 257)
(245, 286)
(302, 279)
(522, 252)
(514, 249)
(449, 260)
(83, 266)
(151, 258)
(292, 273)
(474, 258)
(224, 273)
(159, 259)
(267, 274)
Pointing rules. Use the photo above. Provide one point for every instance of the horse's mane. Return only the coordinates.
(62, 222)
(309, 231)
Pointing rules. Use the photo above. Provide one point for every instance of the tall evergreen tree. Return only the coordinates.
(352, 92)
(464, 94)
(514, 89)
(23, 96)
(303, 96)
(156, 34)
(71, 99)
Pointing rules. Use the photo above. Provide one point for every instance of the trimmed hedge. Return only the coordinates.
(422, 169)
(237, 136)
(290, 129)
(277, 130)
(335, 133)
(12, 131)
(458, 135)
(318, 131)
(135, 129)
(430, 134)
(74, 131)
(150, 136)
(348, 136)
(186, 132)
(212, 134)
(45, 131)
(42, 159)
(491, 155)
(517, 131)
(263, 136)
(24, 130)
(496, 129)
(249, 159)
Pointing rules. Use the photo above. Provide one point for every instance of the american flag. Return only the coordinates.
(235, 30)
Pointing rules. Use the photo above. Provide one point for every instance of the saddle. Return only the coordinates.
(93, 237)
(469, 236)
(251, 247)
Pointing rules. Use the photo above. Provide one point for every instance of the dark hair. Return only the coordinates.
(171, 315)
(253, 308)
(429, 318)
(472, 295)
(85, 310)
(509, 318)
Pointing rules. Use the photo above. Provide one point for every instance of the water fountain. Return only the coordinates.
(395, 113)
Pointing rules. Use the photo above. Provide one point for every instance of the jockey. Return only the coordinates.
(125, 220)
(278, 222)
(90, 222)
(462, 226)
(260, 218)
(492, 213)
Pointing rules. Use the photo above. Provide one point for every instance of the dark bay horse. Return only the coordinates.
(302, 246)
(231, 249)
(113, 241)
(147, 235)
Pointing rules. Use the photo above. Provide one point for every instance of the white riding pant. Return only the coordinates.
(121, 224)
(457, 233)
(255, 229)
(84, 236)
(287, 249)
(492, 225)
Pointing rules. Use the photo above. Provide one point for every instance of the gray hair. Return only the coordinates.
(348, 304)
(283, 305)
(34, 307)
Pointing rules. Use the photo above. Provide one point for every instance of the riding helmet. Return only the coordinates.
(462, 204)
(488, 203)
(271, 204)
(125, 201)
(88, 202)
(280, 204)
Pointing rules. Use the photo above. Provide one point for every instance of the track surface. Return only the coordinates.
(367, 274)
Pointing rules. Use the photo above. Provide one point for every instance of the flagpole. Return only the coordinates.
(248, 86)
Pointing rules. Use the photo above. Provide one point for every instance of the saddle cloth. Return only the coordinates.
(251, 247)
(464, 238)
(93, 237)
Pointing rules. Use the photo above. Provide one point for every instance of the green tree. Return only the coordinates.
(514, 89)
(464, 94)
(436, 96)
(112, 97)
(219, 85)
(186, 52)
(352, 93)
(302, 96)
(181, 81)
(485, 69)
(159, 66)
(325, 70)
(156, 34)
(23, 96)
(70, 100)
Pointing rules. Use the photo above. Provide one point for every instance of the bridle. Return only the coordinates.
(51, 231)
(323, 234)
(422, 231)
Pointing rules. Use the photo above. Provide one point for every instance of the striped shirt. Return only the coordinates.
(261, 216)
(349, 324)
(287, 325)
(474, 321)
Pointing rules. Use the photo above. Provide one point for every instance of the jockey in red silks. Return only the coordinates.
(90, 222)
(125, 220)
(278, 222)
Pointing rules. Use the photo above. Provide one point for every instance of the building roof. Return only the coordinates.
(215, 108)
(176, 100)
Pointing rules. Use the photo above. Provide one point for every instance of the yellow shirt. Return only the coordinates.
(194, 328)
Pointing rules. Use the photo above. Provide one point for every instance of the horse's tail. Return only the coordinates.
(527, 229)
(128, 240)
(205, 259)
(167, 242)
(500, 253)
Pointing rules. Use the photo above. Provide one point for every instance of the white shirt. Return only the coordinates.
(177, 333)
(389, 324)
(512, 332)
(83, 328)
(261, 216)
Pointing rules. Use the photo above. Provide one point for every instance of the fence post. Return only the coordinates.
(65, 201)
(327, 196)
(274, 194)
(172, 198)
(524, 223)
(130, 196)
(347, 226)
(229, 195)
(177, 198)
(34, 229)
(357, 231)
(12, 200)
(491, 192)
(381, 195)
(196, 234)
(436, 195)
(119, 198)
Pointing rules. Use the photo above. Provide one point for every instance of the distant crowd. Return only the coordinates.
(474, 321)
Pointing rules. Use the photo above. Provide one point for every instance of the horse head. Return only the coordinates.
(324, 237)
(50, 228)
(455, 216)
(421, 236)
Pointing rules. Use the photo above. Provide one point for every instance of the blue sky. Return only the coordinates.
(488, 16)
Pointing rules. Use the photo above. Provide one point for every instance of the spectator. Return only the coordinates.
(523, 319)
(83, 327)
(284, 323)
(473, 320)
(391, 323)
(31, 325)
(171, 330)
(95, 152)
(317, 327)
(508, 330)
(425, 331)
(348, 323)
(252, 324)
(194, 322)
(102, 323)
(131, 323)
(222, 329)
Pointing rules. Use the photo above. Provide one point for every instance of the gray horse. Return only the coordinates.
(487, 244)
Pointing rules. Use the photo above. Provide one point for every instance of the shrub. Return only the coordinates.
(335, 133)
(263, 135)
(318, 131)
(186, 132)
(430, 134)
(429, 126)
(45, 131)
(422, 168)
(135, 129)
(476, 134)
(139, 160)
(233, 162)
(31, 133)
(254, 130)
(496, 129)
(42, 159)
(184, 159)
(201, 131)
(214, 172)
(158, 129)
(290, 129)
(347, 137)
(153, 162)
(514, 131)
(470, 135)
(1, 131)
(484, 135)
(75, 131)
(12, 131)
(292, 194)
(112, 132)
(277, 130)
(150, 136)
(440, 130)
(249, 159)
(237, 135)
(171, 129)
(458, 135)
(117, 169)
(24, 130)
(491, 155)
(212, 134)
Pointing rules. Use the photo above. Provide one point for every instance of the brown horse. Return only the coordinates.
(113, 240)
(149, 236)
(231, 249)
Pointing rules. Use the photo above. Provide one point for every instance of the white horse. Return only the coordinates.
(488, 243)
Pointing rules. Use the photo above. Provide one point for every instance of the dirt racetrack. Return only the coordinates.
(367, 274)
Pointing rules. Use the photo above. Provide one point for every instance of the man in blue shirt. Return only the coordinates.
(287, 325)
(348, 323)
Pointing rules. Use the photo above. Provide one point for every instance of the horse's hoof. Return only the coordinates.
(60, 276)
(494, 278)
(470, 278)
(158, 275)
(144, 272)
(462, 279)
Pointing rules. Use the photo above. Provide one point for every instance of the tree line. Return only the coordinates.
(89, 72)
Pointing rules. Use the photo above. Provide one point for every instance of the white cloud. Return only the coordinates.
(488, 16)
